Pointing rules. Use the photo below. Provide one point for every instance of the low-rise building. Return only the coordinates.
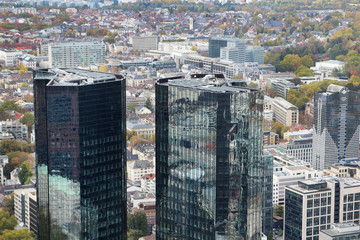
(271, 138)
(140, 127)
(137, 169)
(341, 231)
(299, 148)
(18, 130)
(148, 183)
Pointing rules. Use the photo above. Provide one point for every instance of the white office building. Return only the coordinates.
(285, 112)
(8, 58)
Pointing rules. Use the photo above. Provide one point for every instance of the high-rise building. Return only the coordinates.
(80, 154)
(255, 54)
(336, 126)
(216, 43)
(235, 51)
(267, 194)
(314, 205)
(209, 165)
(76, 54)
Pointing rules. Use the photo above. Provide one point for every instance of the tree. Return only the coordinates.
(7, 222)
(291, 62)
(252, 85)
(194, 48)
(148, 104)
(307, 61)
(28, 120)
(279, 210)
(279, 128)
(22, 69)
(102, 68)
(138, 222)
(19, 234)
(132, 107)
(270, 236)
(303, 71)
(24, 85)
(130, 134)
(8, 204)
(25, 173)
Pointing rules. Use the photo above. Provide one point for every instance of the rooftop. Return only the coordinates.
(74, 77)
(284, 103)
(342, 229)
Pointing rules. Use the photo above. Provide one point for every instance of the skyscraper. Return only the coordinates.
(235, 51)
(80, 154)
(267, 194)
(216, 43)
(209, 164)
(336, 126)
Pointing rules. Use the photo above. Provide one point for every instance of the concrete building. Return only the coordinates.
(3, 161)
(25, 207)
(76, 54)
(234, 51)
(299, 148)
(254, 54)
(329, 66)
(145, 43)
(268, 111)
(341, 231)
(148, 183)
(336, 126)
(8, 58)
(216, 43)
(271, 138)
(314, 205)
(285, 112)
(140, 127)
(282, 87)
(267, 209)
(138, 169)
(18, 130)
(289, 136)
(290, 175)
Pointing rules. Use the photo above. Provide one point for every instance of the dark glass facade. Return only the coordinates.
(81, 154)
(215, 43)
(293, 215)
(267, 194)
(209, 163)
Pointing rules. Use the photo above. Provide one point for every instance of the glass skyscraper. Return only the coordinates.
(267, 212)
(336, 126)
(209, 164)
(80, 154)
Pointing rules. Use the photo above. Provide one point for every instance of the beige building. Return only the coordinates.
(343, 171)
(314, 205)
(341, 231)
(137, 169)
(285, 112)
(25, 207)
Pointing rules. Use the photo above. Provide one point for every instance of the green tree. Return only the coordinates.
(22, 69)
(132, 107)
(303, 71)
(279, 128)
(25, 173)
(291, 62)
(130, 134)
(7, 222)
(28, 120)
(8, 204)
(279, 210)
(148, 104)
(24, 85)
(138, 222)
(270, 236)
(19, 234)
(307, 61)
(252, 85)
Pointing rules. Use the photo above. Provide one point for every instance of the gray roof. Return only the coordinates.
(141, 164)
(138, 124)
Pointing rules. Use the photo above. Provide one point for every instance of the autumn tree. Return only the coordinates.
(307, 61)
(303, 71)
(28, 120)
(291, 62)
(102, 68)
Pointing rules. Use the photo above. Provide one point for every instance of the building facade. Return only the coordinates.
(209, 165)
(24, 208)
(314, 205)
(215, 44)
(145, 43)
(285, 112)
(76, 54)
(336, 126)
(267, 210)
(80, 154)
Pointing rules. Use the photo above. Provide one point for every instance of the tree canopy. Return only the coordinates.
(138, 225)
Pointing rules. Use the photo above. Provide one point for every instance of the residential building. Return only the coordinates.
(3, 161)
(76, 54)
(314, 205)
(145, 43)
(17, 129)
(341, 231)
(80, 132)
(148, 183)
(8, 57)
(203, 189)
(290, 175)
(25, 208)
(271, 138)
(336, 126)
(137, 169)
(285, 112)
(140, 127)
(267, 194)
(299, 148)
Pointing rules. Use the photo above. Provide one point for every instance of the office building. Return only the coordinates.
(299, 148)
(234, 51)
(8, 58)
(267, 210)
(145, 43)
(76, 54)
(25, 208)
(336, 126)
(282, 87)
(216, 43)
(271, 138)
(314, 205)
(285, 112)
(254, 54)
(209, 165)
(341, 231)
(18, 130)
(80, 154)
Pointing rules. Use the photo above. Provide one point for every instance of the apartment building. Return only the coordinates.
(137, 169)
(25, 207)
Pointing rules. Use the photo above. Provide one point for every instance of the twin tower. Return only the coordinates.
(208, 157)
